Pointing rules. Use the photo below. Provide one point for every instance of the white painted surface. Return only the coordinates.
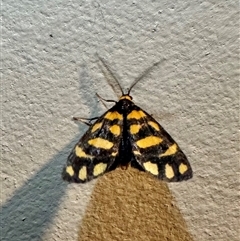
(50, 73)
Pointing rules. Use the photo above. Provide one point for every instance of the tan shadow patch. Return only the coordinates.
(132, 206)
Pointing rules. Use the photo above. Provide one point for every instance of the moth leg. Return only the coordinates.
(105, 99)
(102, 100)
(86, 121)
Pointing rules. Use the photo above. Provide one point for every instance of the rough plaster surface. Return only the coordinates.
(50, 72)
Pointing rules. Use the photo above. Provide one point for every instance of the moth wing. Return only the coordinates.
(154, 149)
(96, 151)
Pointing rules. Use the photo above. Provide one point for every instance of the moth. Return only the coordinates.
(126, 135)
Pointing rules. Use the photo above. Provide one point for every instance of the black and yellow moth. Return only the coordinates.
(126, 135)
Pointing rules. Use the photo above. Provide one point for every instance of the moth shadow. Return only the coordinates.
(31, 209)
(88, 92)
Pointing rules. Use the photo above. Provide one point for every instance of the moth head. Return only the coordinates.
(126, 97)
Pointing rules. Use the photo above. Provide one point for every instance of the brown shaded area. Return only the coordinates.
(128, 205)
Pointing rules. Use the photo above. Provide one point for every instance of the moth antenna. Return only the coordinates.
(143, 75)
(113, 76)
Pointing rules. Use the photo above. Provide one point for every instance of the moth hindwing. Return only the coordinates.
(124, 135)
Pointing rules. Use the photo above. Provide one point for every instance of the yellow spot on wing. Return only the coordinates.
(113, 116)
(136, 153)
(96, 127)
(69, 170)
(99, 169)
(82, 175)
(134, 129)
(100, 143)
(136, 114)
(115, 129)
(151, 167)
(114, 153)
(154, 125)
(182, 168)
(170, 151)
(169, 171)
(80, 153)
(149, 141)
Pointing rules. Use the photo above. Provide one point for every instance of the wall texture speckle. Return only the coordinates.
(50, 72)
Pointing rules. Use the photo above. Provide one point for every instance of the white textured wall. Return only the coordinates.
(50, 73)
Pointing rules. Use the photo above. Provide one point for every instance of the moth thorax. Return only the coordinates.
(125, 104)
